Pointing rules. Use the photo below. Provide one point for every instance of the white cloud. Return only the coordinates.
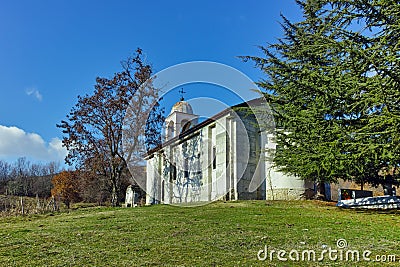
(15, 142)
(35, 93)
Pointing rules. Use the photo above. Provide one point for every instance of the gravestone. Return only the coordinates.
(131, 197)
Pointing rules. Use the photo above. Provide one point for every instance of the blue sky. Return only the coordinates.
(52, 51)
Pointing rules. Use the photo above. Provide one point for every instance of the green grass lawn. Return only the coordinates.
(219, 234)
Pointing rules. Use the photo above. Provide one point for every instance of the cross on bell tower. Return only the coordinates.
(182, 92)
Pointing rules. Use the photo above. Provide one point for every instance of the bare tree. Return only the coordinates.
(24, 178)
(4, 170)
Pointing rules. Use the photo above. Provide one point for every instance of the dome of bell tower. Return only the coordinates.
(182, 106)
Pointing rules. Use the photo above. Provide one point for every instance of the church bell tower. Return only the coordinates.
(180, 119)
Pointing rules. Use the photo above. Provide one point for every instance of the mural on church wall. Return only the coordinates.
(196, 169)
(183, 171)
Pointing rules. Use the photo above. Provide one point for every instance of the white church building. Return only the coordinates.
(224, 157)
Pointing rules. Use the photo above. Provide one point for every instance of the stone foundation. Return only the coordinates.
(289, 194)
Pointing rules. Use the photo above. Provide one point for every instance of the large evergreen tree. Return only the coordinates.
(333, 84)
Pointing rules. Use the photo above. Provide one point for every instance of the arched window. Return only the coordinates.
(185, 125)
(170, 130)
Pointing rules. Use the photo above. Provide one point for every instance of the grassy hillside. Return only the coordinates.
(220, 234)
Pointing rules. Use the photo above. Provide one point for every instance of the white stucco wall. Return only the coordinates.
(242, 171)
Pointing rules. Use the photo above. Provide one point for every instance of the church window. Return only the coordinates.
(186, 168)
(172, 176)
(162, 191)
(170, 130)
(214, 157)
(186, 125)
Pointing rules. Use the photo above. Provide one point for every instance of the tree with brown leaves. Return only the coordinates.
(94, 127)
(65, 187)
